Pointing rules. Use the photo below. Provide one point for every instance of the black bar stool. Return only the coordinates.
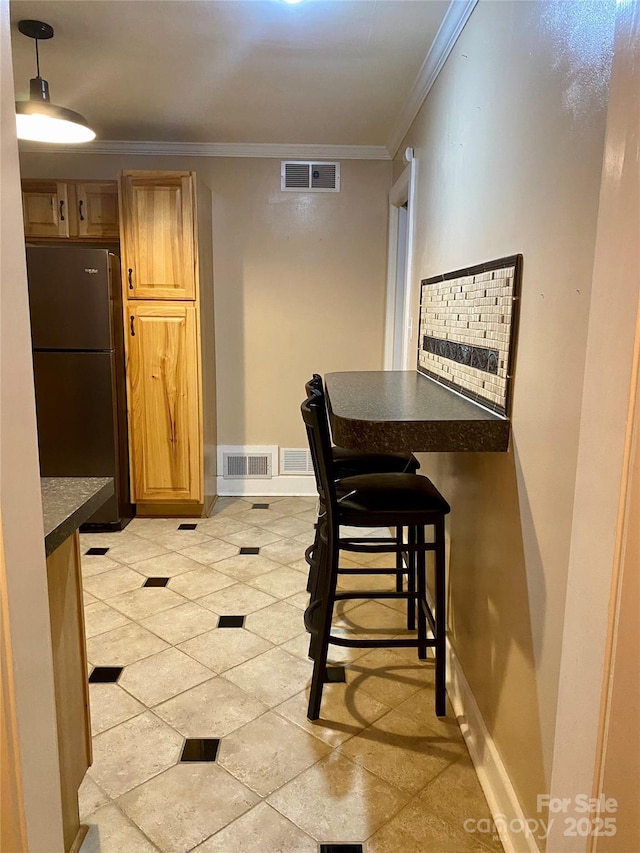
(373, 500)
(351, 463)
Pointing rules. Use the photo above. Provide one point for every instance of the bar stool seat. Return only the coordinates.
(384, 500)
(350, 463)
(371, 501)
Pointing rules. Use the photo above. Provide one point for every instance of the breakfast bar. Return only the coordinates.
(402, 410)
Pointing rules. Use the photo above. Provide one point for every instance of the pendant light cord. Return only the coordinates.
(37, 59)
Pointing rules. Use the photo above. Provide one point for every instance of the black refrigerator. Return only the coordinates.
(78, 360)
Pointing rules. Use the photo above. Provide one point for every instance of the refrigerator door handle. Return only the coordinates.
(133, 331)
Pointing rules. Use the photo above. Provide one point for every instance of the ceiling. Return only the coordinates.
(325, 72)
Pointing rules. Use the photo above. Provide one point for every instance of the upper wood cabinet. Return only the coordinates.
(45, 208)
(163, 379)
(70, 209)
(97, 209)
(158, 241)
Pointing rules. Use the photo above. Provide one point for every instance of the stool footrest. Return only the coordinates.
(379, 644)
(376, 593)
(391, 546)
(371, 571)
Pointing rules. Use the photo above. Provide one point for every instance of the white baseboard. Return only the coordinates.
(496, 784)
(282, 485)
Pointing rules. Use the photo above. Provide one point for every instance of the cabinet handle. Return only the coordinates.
(80, 203)
(133, 331)
(62, 211)
(130, 279)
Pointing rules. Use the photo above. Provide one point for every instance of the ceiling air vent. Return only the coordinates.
(305, 176)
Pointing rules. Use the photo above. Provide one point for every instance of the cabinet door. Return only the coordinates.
(97, 209)
(164, 406)
(68, 646)
(45, 208)
(158, 241)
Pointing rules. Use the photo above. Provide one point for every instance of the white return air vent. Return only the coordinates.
(242, 463)
(305, 176)
(295, 460)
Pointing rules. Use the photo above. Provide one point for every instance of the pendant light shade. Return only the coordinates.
(37, 119)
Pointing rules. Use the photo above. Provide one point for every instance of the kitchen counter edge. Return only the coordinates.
(67, 502)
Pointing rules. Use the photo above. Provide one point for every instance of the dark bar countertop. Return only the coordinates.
(67, 502)
(401, 410)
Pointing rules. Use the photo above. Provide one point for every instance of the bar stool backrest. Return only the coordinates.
(314, 415)
(314, 384)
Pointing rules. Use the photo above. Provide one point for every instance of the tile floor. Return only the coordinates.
(378, 770)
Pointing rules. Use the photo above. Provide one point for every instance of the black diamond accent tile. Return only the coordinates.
(96, 552)
(187, 526)
(260, 506)
(105, 674)
(231, 622)
(335, 675)
(200, 749)
(250, 550)
(156, 582)
(341, 848)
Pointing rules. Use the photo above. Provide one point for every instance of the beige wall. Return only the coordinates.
(509, 149)
(299, 280)
(604, 551)
(26, 577)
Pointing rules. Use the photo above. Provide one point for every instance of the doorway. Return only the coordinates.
(398, 326)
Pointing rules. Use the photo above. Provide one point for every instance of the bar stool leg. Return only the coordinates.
(311, 556)
(327, 589)
(315, 592)
(411, 578)
(441, 620)
(421, 576)
(319, 555)
(399, 563)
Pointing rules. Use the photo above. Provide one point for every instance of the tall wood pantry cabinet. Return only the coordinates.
(167, 280)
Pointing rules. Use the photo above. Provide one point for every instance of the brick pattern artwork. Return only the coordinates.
(467, 321)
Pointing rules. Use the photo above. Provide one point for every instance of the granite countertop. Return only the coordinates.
(67, 502)
(402, 410)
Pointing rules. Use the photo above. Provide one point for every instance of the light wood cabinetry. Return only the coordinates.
(163, 220)
(97, 209)
(158, 235)
(45, 207)
(70, 210)
(164, 402)
(165, 244)
(66, 612)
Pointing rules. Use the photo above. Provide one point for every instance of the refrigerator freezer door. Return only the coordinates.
(77, 427)
(69, 298)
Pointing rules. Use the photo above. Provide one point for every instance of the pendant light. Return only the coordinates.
(38, 119)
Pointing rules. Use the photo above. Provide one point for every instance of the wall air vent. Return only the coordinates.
(241, 463)
(295, 460)
(305, 176)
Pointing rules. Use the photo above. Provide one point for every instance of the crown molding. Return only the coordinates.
(457, 15)
(452, 25)
(216, 149)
